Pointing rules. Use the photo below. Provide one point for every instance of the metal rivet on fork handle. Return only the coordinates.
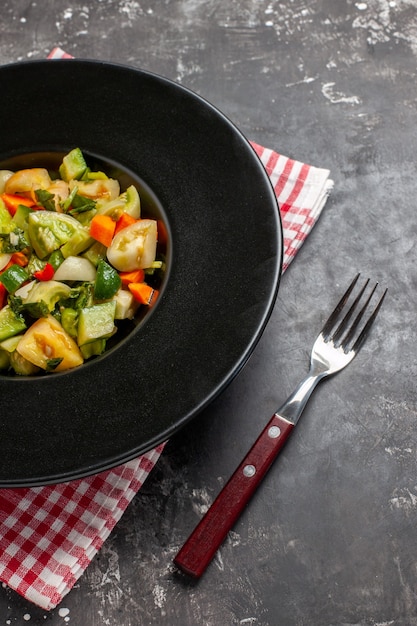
(249, 471)
(274, 432)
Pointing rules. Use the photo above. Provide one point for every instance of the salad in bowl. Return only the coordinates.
(77, 259)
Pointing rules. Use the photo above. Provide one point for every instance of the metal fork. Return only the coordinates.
(334, 348)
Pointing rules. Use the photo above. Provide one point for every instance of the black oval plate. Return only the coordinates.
(224, 264)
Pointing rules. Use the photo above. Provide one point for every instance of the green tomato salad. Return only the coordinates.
(77, 260)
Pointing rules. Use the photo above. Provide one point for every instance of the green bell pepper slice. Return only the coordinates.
(108, 281)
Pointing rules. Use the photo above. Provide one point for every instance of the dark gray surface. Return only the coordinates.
(331, 538)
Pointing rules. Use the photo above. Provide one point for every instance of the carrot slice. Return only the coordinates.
(19, 258)
(12, 201)
(124, 220)
(136, 276)
(102, 229)
(143, 293)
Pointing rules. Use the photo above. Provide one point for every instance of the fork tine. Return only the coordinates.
(364, 333)
(343, 327)
(349, 336)
(343, 324)
(328, 327)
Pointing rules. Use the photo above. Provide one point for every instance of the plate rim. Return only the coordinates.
(237, 366)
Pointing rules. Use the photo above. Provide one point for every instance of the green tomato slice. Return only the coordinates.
(48, 231)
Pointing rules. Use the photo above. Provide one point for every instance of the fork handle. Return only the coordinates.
(201, 546)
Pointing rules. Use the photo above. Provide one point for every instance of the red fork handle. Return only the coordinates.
(201, 546)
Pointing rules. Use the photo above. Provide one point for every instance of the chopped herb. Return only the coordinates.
(33, 309)
(80, 204)
(16, 304)
(36, 309)
(66, 204)
(52, 364)
(14, 241)
(46, 199)
(80, 296)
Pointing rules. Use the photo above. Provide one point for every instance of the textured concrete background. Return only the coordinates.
(331, 538)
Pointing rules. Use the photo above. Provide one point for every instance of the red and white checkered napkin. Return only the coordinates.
(49, 535)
